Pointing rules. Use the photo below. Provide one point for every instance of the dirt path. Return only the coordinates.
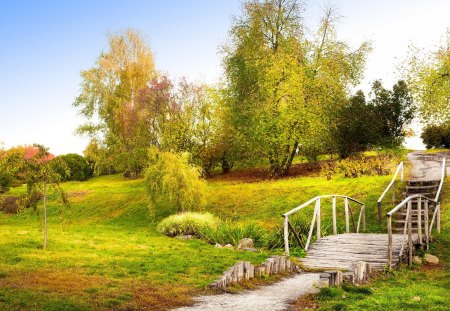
(275, 297)
(427, 166)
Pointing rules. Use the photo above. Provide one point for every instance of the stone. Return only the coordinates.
(229, 246)
(428, 258)
(245, 243)
(185, 237)
(218, 245)
(417, 260)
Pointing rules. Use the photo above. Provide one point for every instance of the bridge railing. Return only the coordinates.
(399, 170)
(316, 219)
(428, 225)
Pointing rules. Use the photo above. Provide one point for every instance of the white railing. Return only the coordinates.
(316, 219)
(391, 185)
(427, 226)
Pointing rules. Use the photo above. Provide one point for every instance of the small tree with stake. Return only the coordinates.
(40, 176)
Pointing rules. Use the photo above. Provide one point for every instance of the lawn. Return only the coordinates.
(106, 252)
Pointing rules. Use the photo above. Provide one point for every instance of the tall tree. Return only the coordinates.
(428, 75)
(109, 93)
(394, 111)
(284, 84)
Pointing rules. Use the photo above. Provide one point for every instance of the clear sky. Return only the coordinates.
(45, 45)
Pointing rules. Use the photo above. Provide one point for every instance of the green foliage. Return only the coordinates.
(172, 182)
(428, 74)
(110, 99)
(358, 166)
(380, 121)
(187, 223)
(355, 130)
(282, 84)
(71, 167)
(394, 111)
(436, 136)
(231, 233)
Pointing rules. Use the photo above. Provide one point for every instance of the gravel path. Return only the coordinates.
(275, 297)
(427, 166)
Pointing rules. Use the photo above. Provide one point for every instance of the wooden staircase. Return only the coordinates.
(426, 188)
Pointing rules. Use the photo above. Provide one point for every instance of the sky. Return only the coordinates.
(45, 44)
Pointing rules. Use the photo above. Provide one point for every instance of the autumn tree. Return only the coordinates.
(428, 75)
(284, 84)
(109, 95)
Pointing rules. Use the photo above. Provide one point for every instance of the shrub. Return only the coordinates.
(360, 166)
(172, 182)
(436, 136)
(72, 167)
(228, 233)
(187, 223)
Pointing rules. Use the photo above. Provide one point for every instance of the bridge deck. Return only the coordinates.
(342, 250)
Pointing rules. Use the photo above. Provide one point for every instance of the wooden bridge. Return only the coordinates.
(414, 219)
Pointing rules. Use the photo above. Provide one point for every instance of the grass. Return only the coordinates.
(421, 287)
(107, 254)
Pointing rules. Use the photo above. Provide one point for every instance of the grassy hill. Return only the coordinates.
(106, 253)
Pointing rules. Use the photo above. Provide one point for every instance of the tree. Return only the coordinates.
(395, 110)
(39, 176)
(173, 183)
(71, 167)
(428, 75)
(355, 130)
(109, 96)
(436, 136)
(284, 85)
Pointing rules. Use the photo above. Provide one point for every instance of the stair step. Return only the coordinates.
(422, 182)
(427, 194)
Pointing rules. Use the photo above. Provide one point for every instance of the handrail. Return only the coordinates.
(317, 220)
(441, 184)
(400, 169)
(407, 230)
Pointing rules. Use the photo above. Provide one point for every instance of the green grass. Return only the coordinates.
(108, 254)
(437, 150)
(423, 287)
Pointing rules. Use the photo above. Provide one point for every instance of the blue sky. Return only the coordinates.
(45, 45)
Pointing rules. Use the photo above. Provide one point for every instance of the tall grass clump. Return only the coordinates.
(188, 223)
(229, 233)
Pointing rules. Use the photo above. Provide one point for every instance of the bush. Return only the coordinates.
(172, 182)
(360, 166)
(436, 136)
(187, 223)
(72, 167)
(228, 233)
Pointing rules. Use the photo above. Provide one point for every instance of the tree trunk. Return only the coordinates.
(226, 167)
(45, 214)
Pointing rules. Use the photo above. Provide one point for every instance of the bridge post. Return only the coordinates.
(347, 220)
(318, 218)
(438, 218)
(286, 235)
(427, 232)
(334, 215)
(410, 241)
(389, 228)
(419, 220)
